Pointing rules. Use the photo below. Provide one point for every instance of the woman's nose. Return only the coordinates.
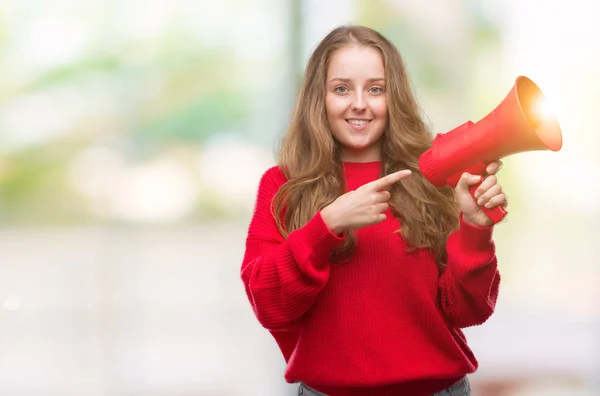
(358, 102)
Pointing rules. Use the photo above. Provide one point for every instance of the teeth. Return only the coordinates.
(358, 122)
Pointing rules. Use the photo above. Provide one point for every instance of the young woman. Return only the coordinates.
(362, 271)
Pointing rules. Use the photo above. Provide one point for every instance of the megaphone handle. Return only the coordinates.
(495, 214)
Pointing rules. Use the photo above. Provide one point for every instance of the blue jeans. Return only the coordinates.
(461, 388)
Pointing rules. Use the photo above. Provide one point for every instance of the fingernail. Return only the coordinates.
(480, 202)
(487, 205)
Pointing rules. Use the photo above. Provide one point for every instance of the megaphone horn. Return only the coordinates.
(518, 124)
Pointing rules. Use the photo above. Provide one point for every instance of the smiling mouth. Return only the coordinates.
(357, 122)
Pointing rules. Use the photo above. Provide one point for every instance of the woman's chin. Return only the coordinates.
(360, 144)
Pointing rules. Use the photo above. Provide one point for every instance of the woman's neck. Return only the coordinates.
(367, 154)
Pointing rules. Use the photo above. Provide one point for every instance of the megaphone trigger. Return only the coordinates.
(477, 169)
(495, 214)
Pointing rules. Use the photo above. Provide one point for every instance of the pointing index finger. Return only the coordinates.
(386, 181)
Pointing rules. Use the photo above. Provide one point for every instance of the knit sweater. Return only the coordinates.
(385, 323)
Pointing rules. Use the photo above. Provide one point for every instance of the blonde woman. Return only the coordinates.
(362, 271)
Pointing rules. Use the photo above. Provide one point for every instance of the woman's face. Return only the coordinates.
(355, 102)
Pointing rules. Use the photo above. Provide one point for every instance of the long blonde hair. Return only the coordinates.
(310, 157)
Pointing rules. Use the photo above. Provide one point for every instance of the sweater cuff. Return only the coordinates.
(472, 238)
(314, 242)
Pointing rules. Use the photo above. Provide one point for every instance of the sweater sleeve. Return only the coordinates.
(283, 278)
(470, 283)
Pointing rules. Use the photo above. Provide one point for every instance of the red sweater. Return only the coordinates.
(387, 322)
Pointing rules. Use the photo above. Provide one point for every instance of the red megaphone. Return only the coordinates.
(518, 124)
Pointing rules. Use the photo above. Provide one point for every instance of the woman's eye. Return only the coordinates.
(341, 89)
(376, 90)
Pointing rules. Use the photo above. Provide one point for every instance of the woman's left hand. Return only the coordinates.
(489, 193)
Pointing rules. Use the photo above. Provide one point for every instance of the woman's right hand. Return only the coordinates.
(363, 206)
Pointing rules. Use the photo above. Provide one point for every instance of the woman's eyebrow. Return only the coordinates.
(346, 80)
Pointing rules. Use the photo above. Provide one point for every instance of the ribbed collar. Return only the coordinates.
(358, 166)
